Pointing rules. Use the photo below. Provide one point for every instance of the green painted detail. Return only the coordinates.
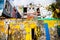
(48, 19)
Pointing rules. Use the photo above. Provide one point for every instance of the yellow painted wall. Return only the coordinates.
(51, 23)
(58, 22)
(28, 27)
(2, 29)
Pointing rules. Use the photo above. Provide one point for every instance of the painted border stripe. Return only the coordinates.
(47, 31)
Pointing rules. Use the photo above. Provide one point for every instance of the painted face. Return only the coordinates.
(30, 9)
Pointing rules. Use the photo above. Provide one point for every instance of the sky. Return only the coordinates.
(25, 2)
(1, 4)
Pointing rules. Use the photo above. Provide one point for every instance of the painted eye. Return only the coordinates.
(6, 22)
(29, 8)
(33, 8)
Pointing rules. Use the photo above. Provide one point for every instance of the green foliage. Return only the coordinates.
(55, 8)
